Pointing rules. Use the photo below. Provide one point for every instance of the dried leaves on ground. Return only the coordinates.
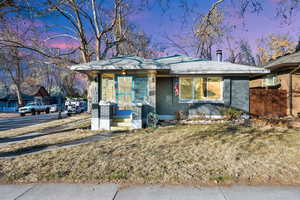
(183, 154)
(42, 126)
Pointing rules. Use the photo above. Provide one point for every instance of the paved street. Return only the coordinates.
(112, 192)
(18, 122)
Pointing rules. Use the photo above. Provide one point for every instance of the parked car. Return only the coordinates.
(75, 106)
(56, 107)
(53, 108)
(34, 108)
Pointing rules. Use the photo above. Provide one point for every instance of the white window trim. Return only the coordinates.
(221, 100)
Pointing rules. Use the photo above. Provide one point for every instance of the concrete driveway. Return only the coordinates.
(152, 192)
(18, 122)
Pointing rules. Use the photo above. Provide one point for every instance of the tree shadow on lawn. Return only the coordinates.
(26, 150)
(35, 135)
(218, 132)
(237, 134)
(41, 147)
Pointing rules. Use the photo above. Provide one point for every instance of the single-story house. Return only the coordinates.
(285, 75)
(127, 88)
(9, 100)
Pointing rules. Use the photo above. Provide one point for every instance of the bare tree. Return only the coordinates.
(11, 63)
(240, 52)
(14, 60)
(209, 31)
(274, 46)
(285, 8)
(6, 6)
(90, 23)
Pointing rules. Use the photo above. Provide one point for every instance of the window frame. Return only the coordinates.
(275, 80)
(193, 100)
(146, 79)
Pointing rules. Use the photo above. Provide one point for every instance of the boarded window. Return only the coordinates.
(124, 84)
(108, 87)
(200, 88)
(124, 92)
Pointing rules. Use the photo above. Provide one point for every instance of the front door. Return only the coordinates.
(124, 92)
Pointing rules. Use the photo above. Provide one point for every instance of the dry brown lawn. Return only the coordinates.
(42, 126)
(194, 154)
(71, 132)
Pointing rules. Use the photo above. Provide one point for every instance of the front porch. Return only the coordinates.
(122, 99)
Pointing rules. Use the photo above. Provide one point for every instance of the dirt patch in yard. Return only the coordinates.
(185, 154)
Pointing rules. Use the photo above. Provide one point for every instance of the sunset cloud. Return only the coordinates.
(63, 44)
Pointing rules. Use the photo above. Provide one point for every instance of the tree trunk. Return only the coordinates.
(19, 95)
(18, 81)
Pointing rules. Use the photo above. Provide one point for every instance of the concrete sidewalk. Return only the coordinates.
(111, 192)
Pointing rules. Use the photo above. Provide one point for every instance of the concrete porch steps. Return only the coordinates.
(121, 117)
(120, 128)
(121, 123)
(127, 120)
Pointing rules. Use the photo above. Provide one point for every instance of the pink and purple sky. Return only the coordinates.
(174, 21)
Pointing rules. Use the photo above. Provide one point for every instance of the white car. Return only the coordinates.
(34, 108)
(75, 106)
(53, 108)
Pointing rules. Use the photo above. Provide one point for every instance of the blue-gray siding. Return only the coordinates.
(235, 94)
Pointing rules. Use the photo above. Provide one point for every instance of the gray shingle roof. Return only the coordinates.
(292, 59)
(119, 63)
(214, 67)
(176, 64)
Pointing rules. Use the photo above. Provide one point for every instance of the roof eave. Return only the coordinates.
(222, 72)
(272, 67)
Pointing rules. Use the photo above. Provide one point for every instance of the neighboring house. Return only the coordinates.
(9, 101)
(285, 75)
(127, 88)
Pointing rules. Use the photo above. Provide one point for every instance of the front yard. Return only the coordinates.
(183, 154)
(40, 127)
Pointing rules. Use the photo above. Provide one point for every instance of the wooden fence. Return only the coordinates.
(268, 102)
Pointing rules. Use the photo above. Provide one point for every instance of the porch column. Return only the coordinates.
(137, 121)
(152, 89)
(95, 112)
(106, 113)
(290, 95)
